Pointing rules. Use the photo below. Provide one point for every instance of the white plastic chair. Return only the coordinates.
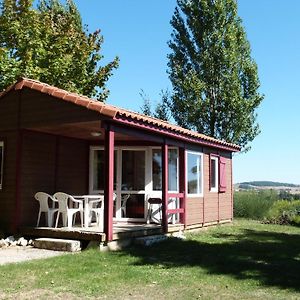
(97, 208)
(68, 213)
(43, 199)
(124, 199)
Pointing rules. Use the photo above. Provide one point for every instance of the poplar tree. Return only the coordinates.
(49, 43)
(214, 78)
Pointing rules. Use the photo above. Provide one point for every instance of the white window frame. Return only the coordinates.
(2, 163)
(159, 192)
(91, 174)
(216, 188)
(199, 194)
(118, 190)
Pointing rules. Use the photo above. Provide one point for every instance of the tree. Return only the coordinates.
(161, 110)
(215, 81)
(146, 107)
(51, 44)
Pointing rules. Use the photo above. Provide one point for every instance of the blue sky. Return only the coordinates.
(138, 30)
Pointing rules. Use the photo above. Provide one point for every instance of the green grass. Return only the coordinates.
(246, 260)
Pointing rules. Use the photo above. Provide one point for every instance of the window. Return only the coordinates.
(1, 162)
(172, 170)
(97, 169)
(214, 173)
(156, 169)
(194, 174)
(133, 170)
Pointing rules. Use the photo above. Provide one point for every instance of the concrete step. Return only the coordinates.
(149, 240)
(57, 244)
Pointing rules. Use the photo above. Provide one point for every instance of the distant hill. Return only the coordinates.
(249, 185)
(269, 183)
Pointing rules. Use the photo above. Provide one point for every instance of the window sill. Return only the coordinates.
(194, 195)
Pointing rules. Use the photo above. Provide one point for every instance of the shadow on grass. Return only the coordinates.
(271, 258)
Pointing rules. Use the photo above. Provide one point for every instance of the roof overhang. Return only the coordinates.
(124, 117)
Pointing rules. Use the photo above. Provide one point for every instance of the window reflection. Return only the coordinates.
(133, 170)
(172, 169)
(99, 169)
(194, 173)
(213, 173)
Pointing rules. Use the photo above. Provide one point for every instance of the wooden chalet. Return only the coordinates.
(52, 140)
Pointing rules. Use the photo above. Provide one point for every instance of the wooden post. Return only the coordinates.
(17, 216)
(182, 183)
(109, 183)
(165, 187)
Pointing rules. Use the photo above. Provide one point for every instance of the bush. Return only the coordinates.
(284, 212)
(253, 204)
(296, 220)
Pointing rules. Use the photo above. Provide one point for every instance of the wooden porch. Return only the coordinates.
(121, 231)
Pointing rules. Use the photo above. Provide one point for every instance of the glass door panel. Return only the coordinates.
(134, 206)
(132, 184)
(133, 170)
(98, 170)
(172, 170)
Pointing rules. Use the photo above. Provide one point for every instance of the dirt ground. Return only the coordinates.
(19, 254)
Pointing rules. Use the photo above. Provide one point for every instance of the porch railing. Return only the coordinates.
(180, 210)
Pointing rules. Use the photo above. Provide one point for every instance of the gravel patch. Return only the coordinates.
(19, 254)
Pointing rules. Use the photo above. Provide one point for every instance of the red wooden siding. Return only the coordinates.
(194, 211)
(49, 111)
(37, 173)
(213, 206)
(46, 168)
(9, 112)
(8, 191)
(225, 199)
(211, 199)
(72, 166)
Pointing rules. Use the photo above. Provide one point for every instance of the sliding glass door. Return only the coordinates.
(131, 202)
(129, 180)
(137, 176)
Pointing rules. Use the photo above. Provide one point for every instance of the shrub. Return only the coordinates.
(296, 220)
(253, 204)
(284, 212)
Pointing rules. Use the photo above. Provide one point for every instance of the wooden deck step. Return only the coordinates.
(64, 233)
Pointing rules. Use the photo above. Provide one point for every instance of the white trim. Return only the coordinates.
(148, 179)
(91, 177)
(199, 172)
(177, 167)
(216, 188)
(148, 150)
(151, 170)
(118, 213)
(2, 163)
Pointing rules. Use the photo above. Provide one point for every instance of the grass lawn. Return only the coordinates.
(245, 260)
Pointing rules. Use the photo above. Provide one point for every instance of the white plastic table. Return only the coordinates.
(87, 199)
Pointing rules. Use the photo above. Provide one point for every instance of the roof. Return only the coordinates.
(117, 113)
